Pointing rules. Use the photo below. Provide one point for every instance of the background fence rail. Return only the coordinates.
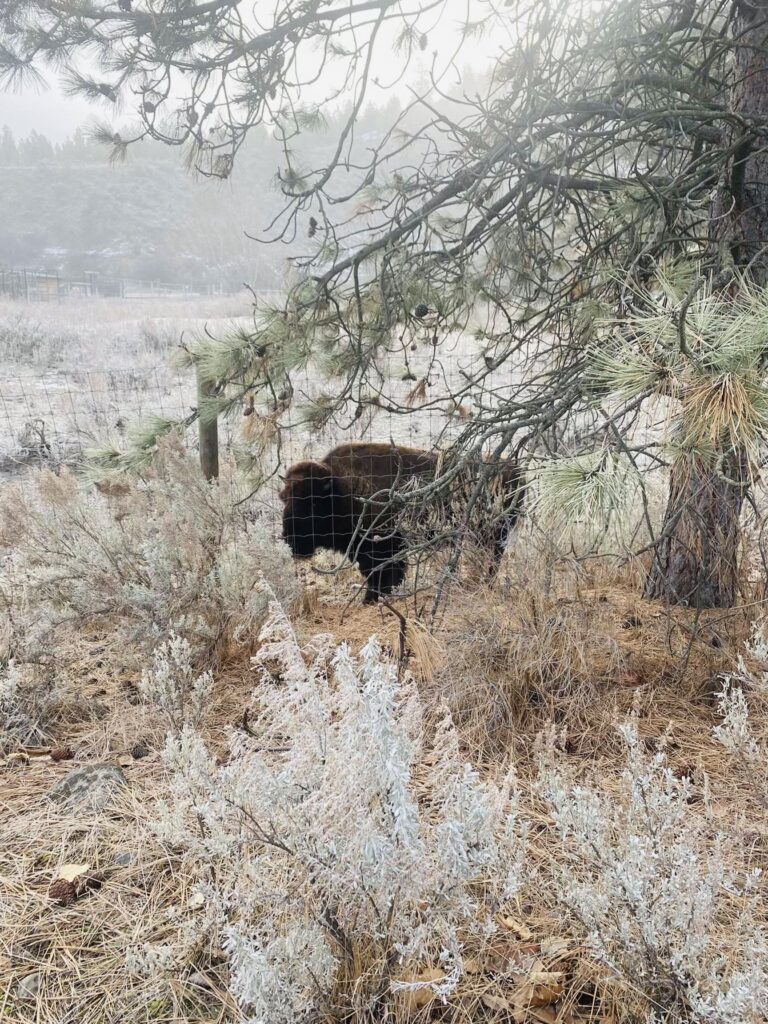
(26, 285)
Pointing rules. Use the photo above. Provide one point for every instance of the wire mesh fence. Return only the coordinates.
(52, 419)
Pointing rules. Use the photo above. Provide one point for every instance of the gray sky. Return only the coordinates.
(46, 112)
(49, 112)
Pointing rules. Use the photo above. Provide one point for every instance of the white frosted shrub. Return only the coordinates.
(757, 645)
(11, 716)
(172, 685)
(334, 834)
(735, 730)
(174, 553)
(639, 869)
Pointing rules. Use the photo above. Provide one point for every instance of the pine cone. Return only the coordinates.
(63, 892)
(131, 692)
(138, 751)
(62, 753)
(421, 311)
(90, 880)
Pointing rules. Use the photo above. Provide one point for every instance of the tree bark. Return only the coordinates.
(740, 208)
(696, 561)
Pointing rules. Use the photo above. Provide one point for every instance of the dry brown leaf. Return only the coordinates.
(493, 1002)
(125, 760)
(517, 927)
(471, 966)
(17, 757)
(545, 1014)
(72, 871)
(36, 751)
(541, 989)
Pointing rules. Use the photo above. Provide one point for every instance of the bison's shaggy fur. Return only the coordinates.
(355, 501)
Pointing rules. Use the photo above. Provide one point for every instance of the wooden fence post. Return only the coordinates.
(208, 432)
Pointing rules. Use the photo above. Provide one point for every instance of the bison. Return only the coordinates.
(353, 501)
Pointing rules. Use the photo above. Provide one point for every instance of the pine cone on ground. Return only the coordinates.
(63, 892)
(421, 311)
(90, 880)
(138, 751)
(62, 753)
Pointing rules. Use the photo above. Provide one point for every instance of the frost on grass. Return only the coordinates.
(335, 839)
(169, 553)
(639, 870)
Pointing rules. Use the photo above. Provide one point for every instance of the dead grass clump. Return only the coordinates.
(526, 658)
(513, 667)
(28, 701)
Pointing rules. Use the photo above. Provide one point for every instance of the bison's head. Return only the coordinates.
(316, 511)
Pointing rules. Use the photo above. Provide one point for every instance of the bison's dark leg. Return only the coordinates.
(383, 566)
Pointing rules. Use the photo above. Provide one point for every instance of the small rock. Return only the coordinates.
(29, 987)
(92, 786)
(124, 859)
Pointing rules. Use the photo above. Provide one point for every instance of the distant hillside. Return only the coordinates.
(67, 209)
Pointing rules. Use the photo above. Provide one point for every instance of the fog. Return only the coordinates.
(47, 112)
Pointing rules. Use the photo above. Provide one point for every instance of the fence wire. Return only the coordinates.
(53, 419)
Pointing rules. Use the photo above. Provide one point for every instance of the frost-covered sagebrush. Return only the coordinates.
(735, 731)
(167, 553)
(638, 868)
(179, 692)
(335, 837)
(11, 716)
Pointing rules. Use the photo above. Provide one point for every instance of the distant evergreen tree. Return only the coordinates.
(9, 155)
(34, 149)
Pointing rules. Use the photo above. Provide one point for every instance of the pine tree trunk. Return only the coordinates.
(696, 562)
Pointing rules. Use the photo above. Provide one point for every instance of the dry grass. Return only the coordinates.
(505, 663)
